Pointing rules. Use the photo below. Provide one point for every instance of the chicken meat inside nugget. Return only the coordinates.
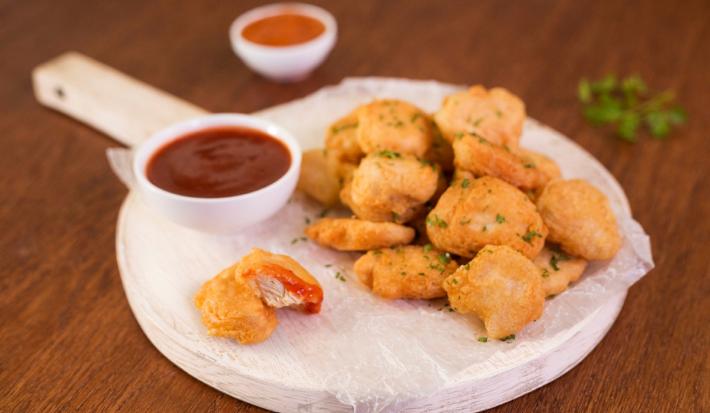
(349, 234)
(411, 272)
(281, 281)
(496, 114)
(558, 270)
(580, 219)
(231, 308)
(474, 213)
(393, 125)
(317, 180)
(389, 186)
(501, 287)
(523, 169)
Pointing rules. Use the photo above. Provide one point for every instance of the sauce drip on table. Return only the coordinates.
(218, 162)
(283, 30)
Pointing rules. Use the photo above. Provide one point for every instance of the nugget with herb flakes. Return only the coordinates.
(477, 155)
(350, 234)
(317, 180)
(411, 272)
(393, 125)
(495, 114)
(501, 286)
(558, 270)
(474, 213)
(580, 219)
(389, 186)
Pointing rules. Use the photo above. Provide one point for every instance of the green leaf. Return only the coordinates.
(628, 125)
(676, 115)
(657, 124)
(606, 85)
(633, 84)
(603, 113)
(584, 91)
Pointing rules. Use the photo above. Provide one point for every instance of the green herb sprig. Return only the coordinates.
(627, 104)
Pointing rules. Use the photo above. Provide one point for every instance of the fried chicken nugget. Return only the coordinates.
(580, 219)
(473, 213)
(558, 270)
(341, 140)
(231, 308)
(389, 186)
(393, 125)
(317, 180)
(440, 152)
(281, 281)
(350, 234)
(411, 272)
(501, 287)
(479, 156)
(495, 114)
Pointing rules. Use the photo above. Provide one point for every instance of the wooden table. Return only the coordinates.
(68, 340)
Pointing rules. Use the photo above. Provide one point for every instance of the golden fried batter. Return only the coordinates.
(341, 140)
(349, 234)
(580, 219)
(316, 178)
(473, 213)
(281, 281)
(231, 308)
(558, 270)
(393, 125)
(542, 163)
(500, 286)
(495, 114)
(389, 186)
(479, 156)
(412, 272)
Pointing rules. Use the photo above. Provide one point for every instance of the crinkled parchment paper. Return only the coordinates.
(368, 352)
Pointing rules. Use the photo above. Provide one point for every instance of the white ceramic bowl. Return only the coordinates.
(217, 215)
(284, 63)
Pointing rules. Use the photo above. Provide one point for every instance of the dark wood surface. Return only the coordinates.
(68, 340)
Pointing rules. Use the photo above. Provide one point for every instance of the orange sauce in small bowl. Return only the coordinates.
(285, 29)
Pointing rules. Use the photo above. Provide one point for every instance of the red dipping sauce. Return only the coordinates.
(218, 162)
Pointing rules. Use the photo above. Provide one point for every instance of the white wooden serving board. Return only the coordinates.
(361, 352)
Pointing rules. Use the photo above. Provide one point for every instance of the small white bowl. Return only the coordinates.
(284, 63)
(217, 215)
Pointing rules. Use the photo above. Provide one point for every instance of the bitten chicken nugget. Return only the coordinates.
(473, 213)
(393, 125)
(317, 180)
(558, 270)
(477, 155)
(580, 219)
(500, 286)
(349, 234)
(495, 114)
(412, 272)
(281, 281)
(389, 186)
(231, 308)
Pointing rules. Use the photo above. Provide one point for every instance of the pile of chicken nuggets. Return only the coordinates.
(450, 205)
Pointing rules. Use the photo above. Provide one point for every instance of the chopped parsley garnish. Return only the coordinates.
(499, 113)
(465, 221)
(415, 117)
(328, 265)
(529, 165)
(435, 221)
(500, 218)
(458, 135)
(340, 277)
(323, 213)
(426, 162)
(483, 339)
(508, 339)
(444, 258)
(545, 273)
(477, 122)
(389, 154)
(377, 252)
(467, 266)
(338, 129)
(556, 258)
(454, 281)
(528, 237)
(465, 183)
(395, 216)
(403, 273)
(308, 220)
(437, 267)
(422, 274)
(428, 247)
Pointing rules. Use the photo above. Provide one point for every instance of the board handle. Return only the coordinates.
(122, 107)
